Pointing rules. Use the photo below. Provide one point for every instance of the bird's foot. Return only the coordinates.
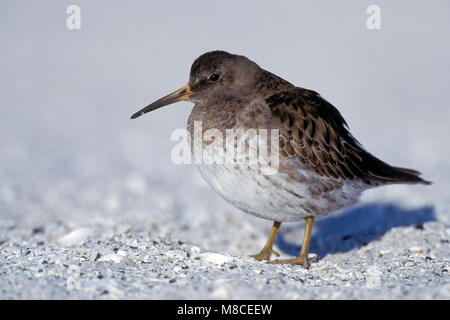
(300, 259)
(265, 254)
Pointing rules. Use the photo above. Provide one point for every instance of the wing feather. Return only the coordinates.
(314, 132)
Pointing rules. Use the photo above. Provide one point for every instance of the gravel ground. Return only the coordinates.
(137, 265)
(373, 251)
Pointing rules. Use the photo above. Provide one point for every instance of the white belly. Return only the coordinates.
(276, 197)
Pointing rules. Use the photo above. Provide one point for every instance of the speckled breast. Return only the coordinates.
(284, 196)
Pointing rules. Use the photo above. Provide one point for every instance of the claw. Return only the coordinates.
(265, 254)
(301, 259)
(275, 253)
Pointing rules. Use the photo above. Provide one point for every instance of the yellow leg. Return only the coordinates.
(302, 258)
(267, 251)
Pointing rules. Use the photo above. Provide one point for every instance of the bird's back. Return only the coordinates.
(314, 132)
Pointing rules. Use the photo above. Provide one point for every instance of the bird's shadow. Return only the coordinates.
(355, 228)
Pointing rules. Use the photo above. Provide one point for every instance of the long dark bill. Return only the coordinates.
(182, 94)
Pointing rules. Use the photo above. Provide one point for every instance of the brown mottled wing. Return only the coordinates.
(314, 132)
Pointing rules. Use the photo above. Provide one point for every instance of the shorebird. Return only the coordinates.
(322, 167)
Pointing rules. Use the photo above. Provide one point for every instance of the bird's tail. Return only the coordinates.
(411, 176)
(386, 173)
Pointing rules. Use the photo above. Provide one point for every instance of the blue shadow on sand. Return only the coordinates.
(355, 228)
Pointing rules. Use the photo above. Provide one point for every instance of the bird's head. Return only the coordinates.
(214, 76)
(219, 75)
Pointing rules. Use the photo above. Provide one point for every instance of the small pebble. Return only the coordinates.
(77, 236)
(215, 258)
(416, 250)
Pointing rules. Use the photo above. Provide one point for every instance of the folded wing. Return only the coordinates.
(314, 132)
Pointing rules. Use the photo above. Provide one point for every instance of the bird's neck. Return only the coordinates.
(269, 83)
(214, 115)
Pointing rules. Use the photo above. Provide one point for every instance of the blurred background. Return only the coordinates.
(70, 156)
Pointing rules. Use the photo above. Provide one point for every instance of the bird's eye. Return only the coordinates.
(214, 77)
